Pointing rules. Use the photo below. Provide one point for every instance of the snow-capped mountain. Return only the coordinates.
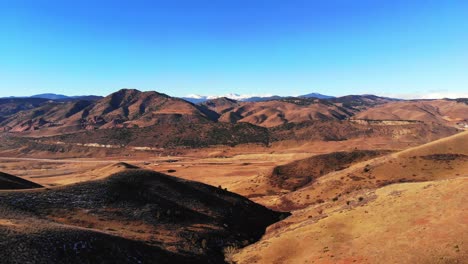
(196, 98)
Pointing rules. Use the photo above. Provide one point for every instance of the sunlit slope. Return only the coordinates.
(442, 159)
(447, 112)
(401, 223)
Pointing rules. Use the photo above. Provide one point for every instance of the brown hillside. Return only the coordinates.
(298, 173)
(447, 112)
(370, 213)
(124, 108)
(276, 112)
(346, 129)
(360, 102)
(442, 159)
(178, 134)
(221, 105)
(129, 107)
(63, 116)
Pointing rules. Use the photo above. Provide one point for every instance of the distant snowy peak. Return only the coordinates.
(195, 98)
(241, 97)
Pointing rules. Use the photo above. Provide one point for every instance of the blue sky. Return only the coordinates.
(337, 47)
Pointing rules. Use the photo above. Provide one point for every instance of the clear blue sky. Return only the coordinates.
(411, 48)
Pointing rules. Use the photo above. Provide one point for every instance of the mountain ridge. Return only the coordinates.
(139, 113)
(195, 98)
(56, 97)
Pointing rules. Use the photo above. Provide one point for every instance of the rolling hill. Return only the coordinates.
(282, 111)
(403, 207)
(402, 223)
(129, 107)
(124, 108)
(446, 112)
(441, 159)
(53, 116)
(297, 174)
(135, 216)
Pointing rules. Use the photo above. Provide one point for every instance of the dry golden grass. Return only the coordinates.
(400, 223)
(357, 222)
(442, 159)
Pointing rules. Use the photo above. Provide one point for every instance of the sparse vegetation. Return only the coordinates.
(229, 253)
(131, 205)
(302, 172)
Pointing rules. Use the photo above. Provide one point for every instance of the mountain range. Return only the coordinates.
(132, 117)
(61, 97)
(195, 98)
(129, 108)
